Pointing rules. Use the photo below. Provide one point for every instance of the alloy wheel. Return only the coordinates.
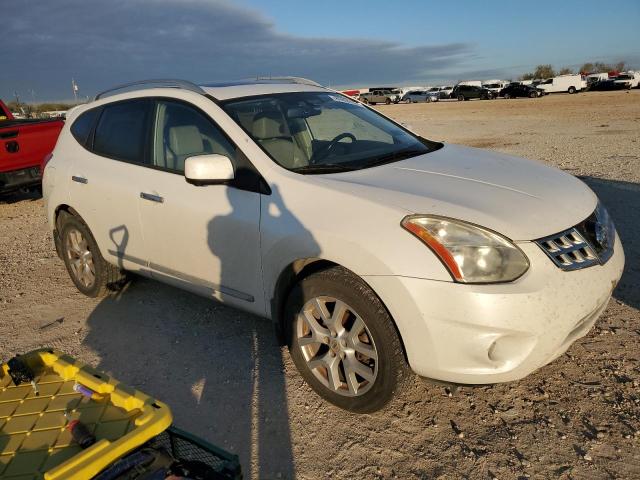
(80, 258)
(337, 346)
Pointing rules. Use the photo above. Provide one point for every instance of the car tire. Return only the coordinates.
(363, 380)
(90, 272)
(428, 100)
(387, 101)
(461, 98)
(572, 90)
(533, 95)
(507, 96)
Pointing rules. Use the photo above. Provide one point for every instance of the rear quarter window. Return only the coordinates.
(122, 131)
(81, 128)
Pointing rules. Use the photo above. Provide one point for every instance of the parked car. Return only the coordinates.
(515, 90)
(380, 96)
(628, 79)
(374, 250)
(611, 84)
(23, 145)
(468, 92)
(495, 85)
(563, 83)
(443, 91)
(418, 96)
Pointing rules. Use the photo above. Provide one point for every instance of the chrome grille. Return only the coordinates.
(569, 250)
(588, 243)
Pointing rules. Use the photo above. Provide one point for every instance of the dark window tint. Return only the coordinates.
(81, 128)
(181, 132)
(122, 131)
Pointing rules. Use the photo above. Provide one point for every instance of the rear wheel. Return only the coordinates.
(508, 96)
(461, 98)
(343, 341)
(533, 95)
(89, 271)
(388, 101)
(572, 90)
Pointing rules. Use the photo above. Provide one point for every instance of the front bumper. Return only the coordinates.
(478, 334)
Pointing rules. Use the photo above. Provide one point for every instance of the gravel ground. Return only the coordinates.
(226, 379)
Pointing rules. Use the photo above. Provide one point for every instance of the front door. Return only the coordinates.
(205, 238)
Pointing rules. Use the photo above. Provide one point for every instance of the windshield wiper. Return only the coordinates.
(323, 168)
(395, 157)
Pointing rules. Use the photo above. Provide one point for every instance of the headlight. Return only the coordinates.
(472, 254)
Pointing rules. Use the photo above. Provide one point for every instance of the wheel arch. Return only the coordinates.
(295, 272)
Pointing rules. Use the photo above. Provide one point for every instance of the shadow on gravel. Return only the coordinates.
(220, 370)
(622, 200)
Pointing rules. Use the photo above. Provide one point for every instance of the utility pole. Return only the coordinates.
(74, 87)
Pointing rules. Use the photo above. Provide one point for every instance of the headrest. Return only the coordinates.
(185, 140)
(267, 125)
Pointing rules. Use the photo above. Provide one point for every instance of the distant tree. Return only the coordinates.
(587, 68)
(565, 71)
(620, 66)
(527, 76)
(600, 67)
(544, 71)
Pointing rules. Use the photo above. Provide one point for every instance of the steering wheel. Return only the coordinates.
(324, 151)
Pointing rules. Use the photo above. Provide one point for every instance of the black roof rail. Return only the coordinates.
(167, 83)
(287, 79)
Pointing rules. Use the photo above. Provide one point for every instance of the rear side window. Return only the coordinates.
(121, 132)
(81, 128)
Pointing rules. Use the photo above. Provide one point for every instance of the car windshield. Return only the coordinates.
(624, 77)
(434, 89)
(321, 132)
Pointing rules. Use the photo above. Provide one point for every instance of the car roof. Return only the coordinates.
(222, 90)
(229, 90)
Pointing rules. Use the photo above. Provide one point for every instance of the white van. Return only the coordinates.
(563, 83)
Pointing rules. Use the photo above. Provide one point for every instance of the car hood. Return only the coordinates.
(521, 199)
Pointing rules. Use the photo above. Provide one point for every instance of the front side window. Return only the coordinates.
(121, 132)
(320, 131)
(181, 132)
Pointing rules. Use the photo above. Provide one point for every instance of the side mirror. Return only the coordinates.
(211, 169)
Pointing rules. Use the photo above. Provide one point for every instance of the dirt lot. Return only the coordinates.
(227, 380)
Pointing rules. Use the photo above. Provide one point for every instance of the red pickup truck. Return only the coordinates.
(23, 146)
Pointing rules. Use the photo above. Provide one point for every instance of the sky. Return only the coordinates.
(353, 43)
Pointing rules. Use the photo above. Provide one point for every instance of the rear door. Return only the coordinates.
(204, 238)
(106, 178)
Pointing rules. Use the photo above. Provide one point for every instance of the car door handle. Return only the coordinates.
(151, 197)
(77, 179)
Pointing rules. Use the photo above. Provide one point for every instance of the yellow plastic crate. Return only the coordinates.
(34, 443)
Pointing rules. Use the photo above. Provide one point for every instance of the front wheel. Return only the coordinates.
(461, 98)
(387, 101)
(89, 271)
(533, 95)
(343, 341)
(572, 90)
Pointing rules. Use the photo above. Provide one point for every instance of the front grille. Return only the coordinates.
(569, 250)
(588, 243)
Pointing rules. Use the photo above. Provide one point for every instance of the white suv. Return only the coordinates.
(372, 248)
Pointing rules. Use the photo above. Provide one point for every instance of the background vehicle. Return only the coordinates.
(443, 91)
(380, 96)
(476, 83)
(495, 85)
(418, 96)
(596, 77)
(611, 84)
(563, 83)
(628, 79)
(23, 145)
(468, 92)
(515, 90)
